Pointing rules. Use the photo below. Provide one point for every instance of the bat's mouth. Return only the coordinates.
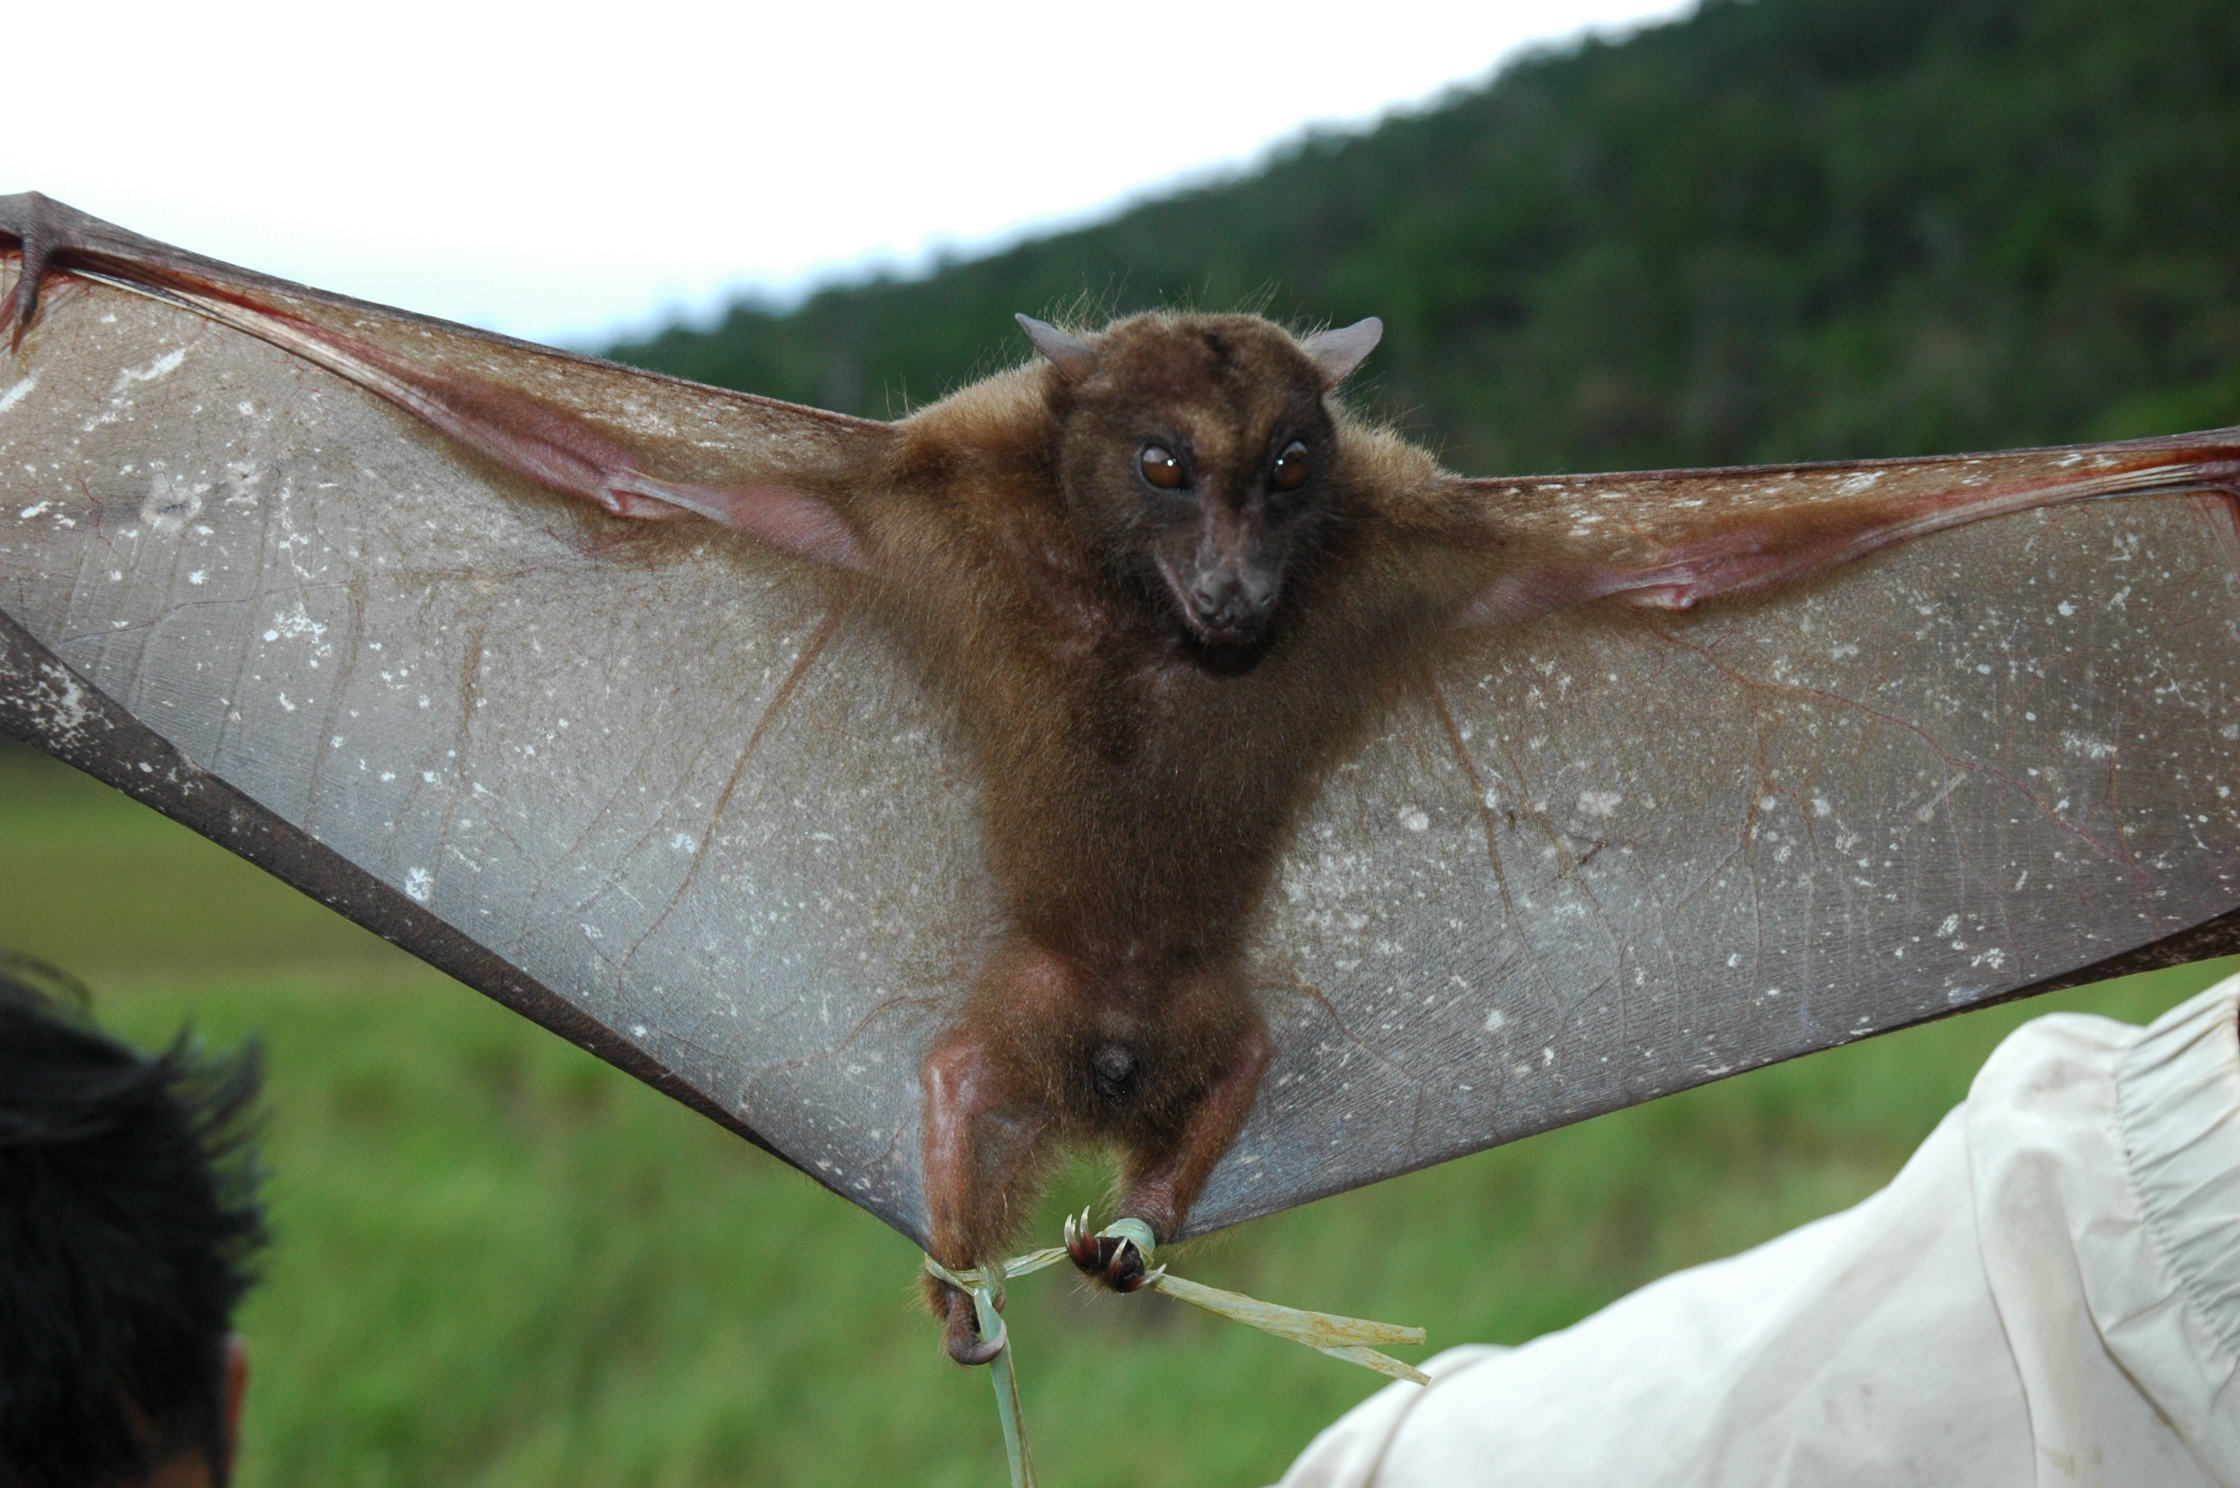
(1227, 650)
(1227, 634)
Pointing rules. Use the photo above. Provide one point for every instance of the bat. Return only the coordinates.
(1138, 748)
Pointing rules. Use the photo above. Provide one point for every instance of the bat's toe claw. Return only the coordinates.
(1108, 1260)
(960, 1334)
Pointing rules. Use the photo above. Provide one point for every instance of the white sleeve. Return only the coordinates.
(2048, 1293)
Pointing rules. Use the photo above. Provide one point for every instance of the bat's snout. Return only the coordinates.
(1229, 604)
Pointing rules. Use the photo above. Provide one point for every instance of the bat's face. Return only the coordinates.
(1200, 457)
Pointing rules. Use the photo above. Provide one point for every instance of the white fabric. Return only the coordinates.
(2048, 1294)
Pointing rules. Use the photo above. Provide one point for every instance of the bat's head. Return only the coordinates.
(1199, 456)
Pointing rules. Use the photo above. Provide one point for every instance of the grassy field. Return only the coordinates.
(500, 1262)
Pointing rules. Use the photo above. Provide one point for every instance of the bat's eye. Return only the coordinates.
(1290, 470)
(1160, 467)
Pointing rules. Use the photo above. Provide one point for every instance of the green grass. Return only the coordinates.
(501, 1262)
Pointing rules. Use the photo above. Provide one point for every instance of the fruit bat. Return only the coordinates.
(1137, 747)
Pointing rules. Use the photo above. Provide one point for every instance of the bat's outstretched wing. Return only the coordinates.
(660, 786)
(1606, 851)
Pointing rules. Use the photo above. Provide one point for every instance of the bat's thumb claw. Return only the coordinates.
(39, 231)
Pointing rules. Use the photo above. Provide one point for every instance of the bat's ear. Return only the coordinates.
(1073, 357)
(1338, 352)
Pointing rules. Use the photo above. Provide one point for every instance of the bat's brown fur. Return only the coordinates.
(1141, 784)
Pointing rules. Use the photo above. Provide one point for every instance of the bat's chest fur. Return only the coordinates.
(1138, 797)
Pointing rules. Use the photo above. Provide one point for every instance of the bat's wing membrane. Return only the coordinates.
(659, 786)
(1617, 851)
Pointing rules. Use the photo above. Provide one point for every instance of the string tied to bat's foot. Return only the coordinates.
(1344, 1338)
(984, 1284)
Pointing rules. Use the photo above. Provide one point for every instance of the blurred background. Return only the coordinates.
(1769, 230)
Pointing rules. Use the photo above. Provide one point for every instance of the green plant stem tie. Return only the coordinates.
(984, 1284)
(1339, 1337)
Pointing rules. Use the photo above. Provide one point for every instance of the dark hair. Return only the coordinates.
(128, 1220)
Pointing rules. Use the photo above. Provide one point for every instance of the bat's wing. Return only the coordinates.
(658, 786)
(1608, 851)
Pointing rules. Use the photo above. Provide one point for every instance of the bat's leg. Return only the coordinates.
(984, 1141)
(1163, 1183)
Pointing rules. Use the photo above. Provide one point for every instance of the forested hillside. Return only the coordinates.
(1778, 229)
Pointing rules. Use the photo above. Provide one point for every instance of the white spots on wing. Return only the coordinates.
(198, 577)
(1843, 652)
(1600, 803)
(285, 704)
(2120, 599)
(162, 366)
(1547, 1056)
(1951, 923)
(17, 394)
(419, 885)
(35, 509)
(683, 842)
(593, 932)
(69, 704)
(2073, 742)
(428, 777)
(1414, 819)
(1734, 959)
(1853, 485)
(637, 1030)
(1821, 806)
(298, 624)
(2065, 609)
(1496, 1020)
(170, 505)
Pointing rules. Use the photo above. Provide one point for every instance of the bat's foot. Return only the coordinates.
(960, 1332)
(1109, 1260)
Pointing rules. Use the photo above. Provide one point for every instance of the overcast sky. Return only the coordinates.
(597, 167)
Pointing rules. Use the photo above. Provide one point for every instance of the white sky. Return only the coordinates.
(563, 170)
